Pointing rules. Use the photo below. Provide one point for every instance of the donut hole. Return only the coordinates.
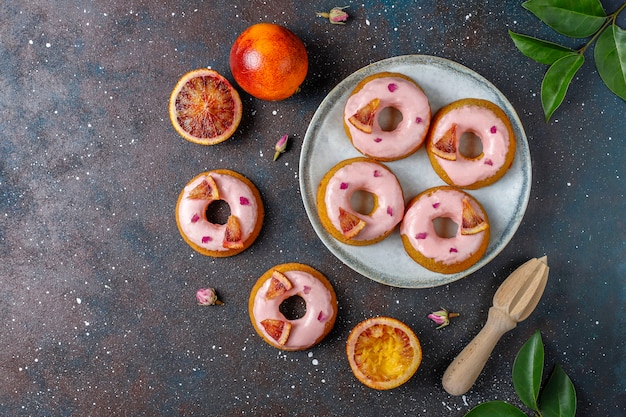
(445, 227)
(363, 202)
(217, 212)
(389, 118)
(470, 145)
(293, 307)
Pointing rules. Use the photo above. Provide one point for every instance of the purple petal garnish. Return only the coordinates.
(206, 239)
(377, 173)
(390, 210)
(493, 129)
(453, 250)
(392, 87)
(436, 205)
(343, 186)
(418, 120)
(244, 201)
(321, 316)
(195, 218)
(306, 289)
(378, 140)
(488, 162)
(421, 235)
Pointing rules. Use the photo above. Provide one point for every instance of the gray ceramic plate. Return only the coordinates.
(326, 143)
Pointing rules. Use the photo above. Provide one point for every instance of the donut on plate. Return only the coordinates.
(402, 104)
(456, 250)
(281, 283)
(212, 238)
(367, 223)
(466, 120)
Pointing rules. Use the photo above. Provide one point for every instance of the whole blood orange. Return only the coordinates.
(204, 107)
(383, 352)
(269, 61)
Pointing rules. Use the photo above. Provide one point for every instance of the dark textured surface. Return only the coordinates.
(98, 288)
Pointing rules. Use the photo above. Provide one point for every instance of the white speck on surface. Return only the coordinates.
(78, 300)
(315, 362)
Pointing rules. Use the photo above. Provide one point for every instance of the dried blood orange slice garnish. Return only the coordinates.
(204, 107)
(279, 284)
(206, 190)
(383, 352)
(277, 329)
(363, 119)
(445, 147)
(350, 224)
(472, 222)
(232, 237)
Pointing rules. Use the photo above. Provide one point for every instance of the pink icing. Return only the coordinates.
(494, 137)
(385, 186)
(410, 132)
(319, 310)
(418, 227)
(192, 213)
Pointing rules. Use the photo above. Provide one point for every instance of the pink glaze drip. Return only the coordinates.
(192, 212)
(319, 310)
(418, 227)
(410, 132)
(385, 186)
(494, 137)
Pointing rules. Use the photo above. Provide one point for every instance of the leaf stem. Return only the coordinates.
(610, 19)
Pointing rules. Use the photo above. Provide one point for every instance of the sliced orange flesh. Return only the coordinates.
(279, 284)
(472, 222)
(445, 147)
(206, 190)
(383, 352)
(277, 329)
(204, 107)
(350, 224)
(232, 237)
(363, 119)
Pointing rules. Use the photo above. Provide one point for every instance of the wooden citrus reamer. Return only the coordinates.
(513, 302)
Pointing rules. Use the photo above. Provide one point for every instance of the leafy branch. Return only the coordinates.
(557, 399)
(575, 19)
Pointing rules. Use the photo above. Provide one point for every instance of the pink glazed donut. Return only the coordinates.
(334, 201)
(448, 254)
(484, 120)
(279, 284)
(372, 96)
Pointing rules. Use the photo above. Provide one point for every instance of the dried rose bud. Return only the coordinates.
(336, 16)
(207, 297)
(442, 317)
(280, 147)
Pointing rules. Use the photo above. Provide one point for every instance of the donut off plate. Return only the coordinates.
(325, 144)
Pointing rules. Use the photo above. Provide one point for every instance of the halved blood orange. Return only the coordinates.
(445, 147)
(204, 107)
(363, 119)
(350, 224)
(472, 222)
(232, 237)
(383, 352)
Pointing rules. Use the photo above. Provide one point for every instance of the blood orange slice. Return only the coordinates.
(204, 107)
(445, 147)
(232, 237)
(363, 119)
(279, 284)
(350, 224)
(277, 329)
(472, 222)
(383, 352)
(206, 190)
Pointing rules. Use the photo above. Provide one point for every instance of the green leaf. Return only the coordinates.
(610, 56)
(557, 80)
(539, 50)
(495, 408)
(573, 18)
(558, 398)
(528, 371)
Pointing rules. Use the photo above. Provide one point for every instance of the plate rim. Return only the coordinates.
(310, 194)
